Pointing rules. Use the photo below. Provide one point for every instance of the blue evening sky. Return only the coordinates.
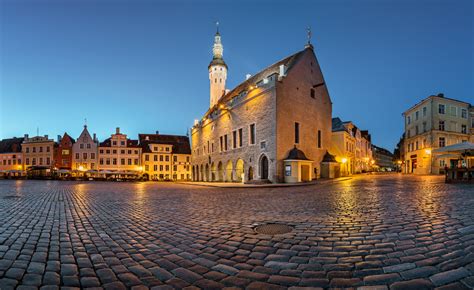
(142, 65)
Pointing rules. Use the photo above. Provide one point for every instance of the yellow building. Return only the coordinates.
(351, 147)
(120, 155)
(166, 157)
(11, 156)
(433, 123)
(38, 152)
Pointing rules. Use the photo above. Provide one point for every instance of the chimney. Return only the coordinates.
(247, 76)
(157, 132)
(26, 137)
(59, 138)
(441, 95)
(46, 136)
(147, 137)
(95, 138)
(117, 130)
(282, 71)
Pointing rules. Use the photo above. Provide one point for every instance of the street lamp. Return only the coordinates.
(344, 161)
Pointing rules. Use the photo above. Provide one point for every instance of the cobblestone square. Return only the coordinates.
(390, 231)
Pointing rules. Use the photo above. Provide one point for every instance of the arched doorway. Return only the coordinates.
(220, 172)
(228, 171)
(264, 167)
(239, 170)
(197, 172)
(250, 176)
(206, 173)
(202, 173)
(213, 172)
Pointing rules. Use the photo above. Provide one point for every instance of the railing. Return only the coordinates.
(460, 175)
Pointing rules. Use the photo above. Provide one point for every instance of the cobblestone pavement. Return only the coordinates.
(396, 232)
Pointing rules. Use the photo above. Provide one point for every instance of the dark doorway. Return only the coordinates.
(250, 177)
(264, 167)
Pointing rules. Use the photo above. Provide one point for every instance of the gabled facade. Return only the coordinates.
(166, 157)
(351, 147)
(120, 154)
(63, 152)
(250, 131)
(85, 152)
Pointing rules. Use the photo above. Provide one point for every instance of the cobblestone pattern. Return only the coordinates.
(394, 232)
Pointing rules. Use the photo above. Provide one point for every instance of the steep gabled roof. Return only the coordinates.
(11, 145)
(289, 62)
(338, 125)
(180, 143)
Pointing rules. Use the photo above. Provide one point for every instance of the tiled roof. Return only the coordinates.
(180, 143)
(12, 145)
(338, 125)
(272, 69)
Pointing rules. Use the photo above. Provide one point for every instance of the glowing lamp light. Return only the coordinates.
(372, 162)
(428, 151)
(344, 160)
(81, 168)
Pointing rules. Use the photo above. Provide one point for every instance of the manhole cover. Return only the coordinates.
(273, 229)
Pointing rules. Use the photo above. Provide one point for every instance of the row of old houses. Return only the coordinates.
(275, 126)
(151, 156)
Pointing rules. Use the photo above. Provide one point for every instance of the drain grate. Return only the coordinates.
(10, 197)
(273, 229)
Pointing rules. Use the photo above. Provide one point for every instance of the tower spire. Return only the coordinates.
(217, 70)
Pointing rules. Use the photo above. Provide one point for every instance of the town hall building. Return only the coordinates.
(273, 127)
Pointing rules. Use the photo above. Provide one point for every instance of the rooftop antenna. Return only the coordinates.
(37, 131)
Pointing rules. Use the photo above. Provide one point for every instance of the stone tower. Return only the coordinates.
(217, 71)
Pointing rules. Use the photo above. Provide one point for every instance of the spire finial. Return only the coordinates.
(308, 30)
(85, 122)
(217, 27)
(309, 34)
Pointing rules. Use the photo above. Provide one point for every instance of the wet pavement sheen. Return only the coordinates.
(391, 231)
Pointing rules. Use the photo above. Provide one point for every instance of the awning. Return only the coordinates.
(456, 148)
(452, 155)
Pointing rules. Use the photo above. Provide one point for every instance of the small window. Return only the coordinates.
(252, 134)
(441, 109)
(234, 139)
(442, 142)
(441, 125)
(297, 133)
(319, 138)
(263, 145)
(240, 137)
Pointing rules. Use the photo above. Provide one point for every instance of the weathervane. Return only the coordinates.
(309, 34)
